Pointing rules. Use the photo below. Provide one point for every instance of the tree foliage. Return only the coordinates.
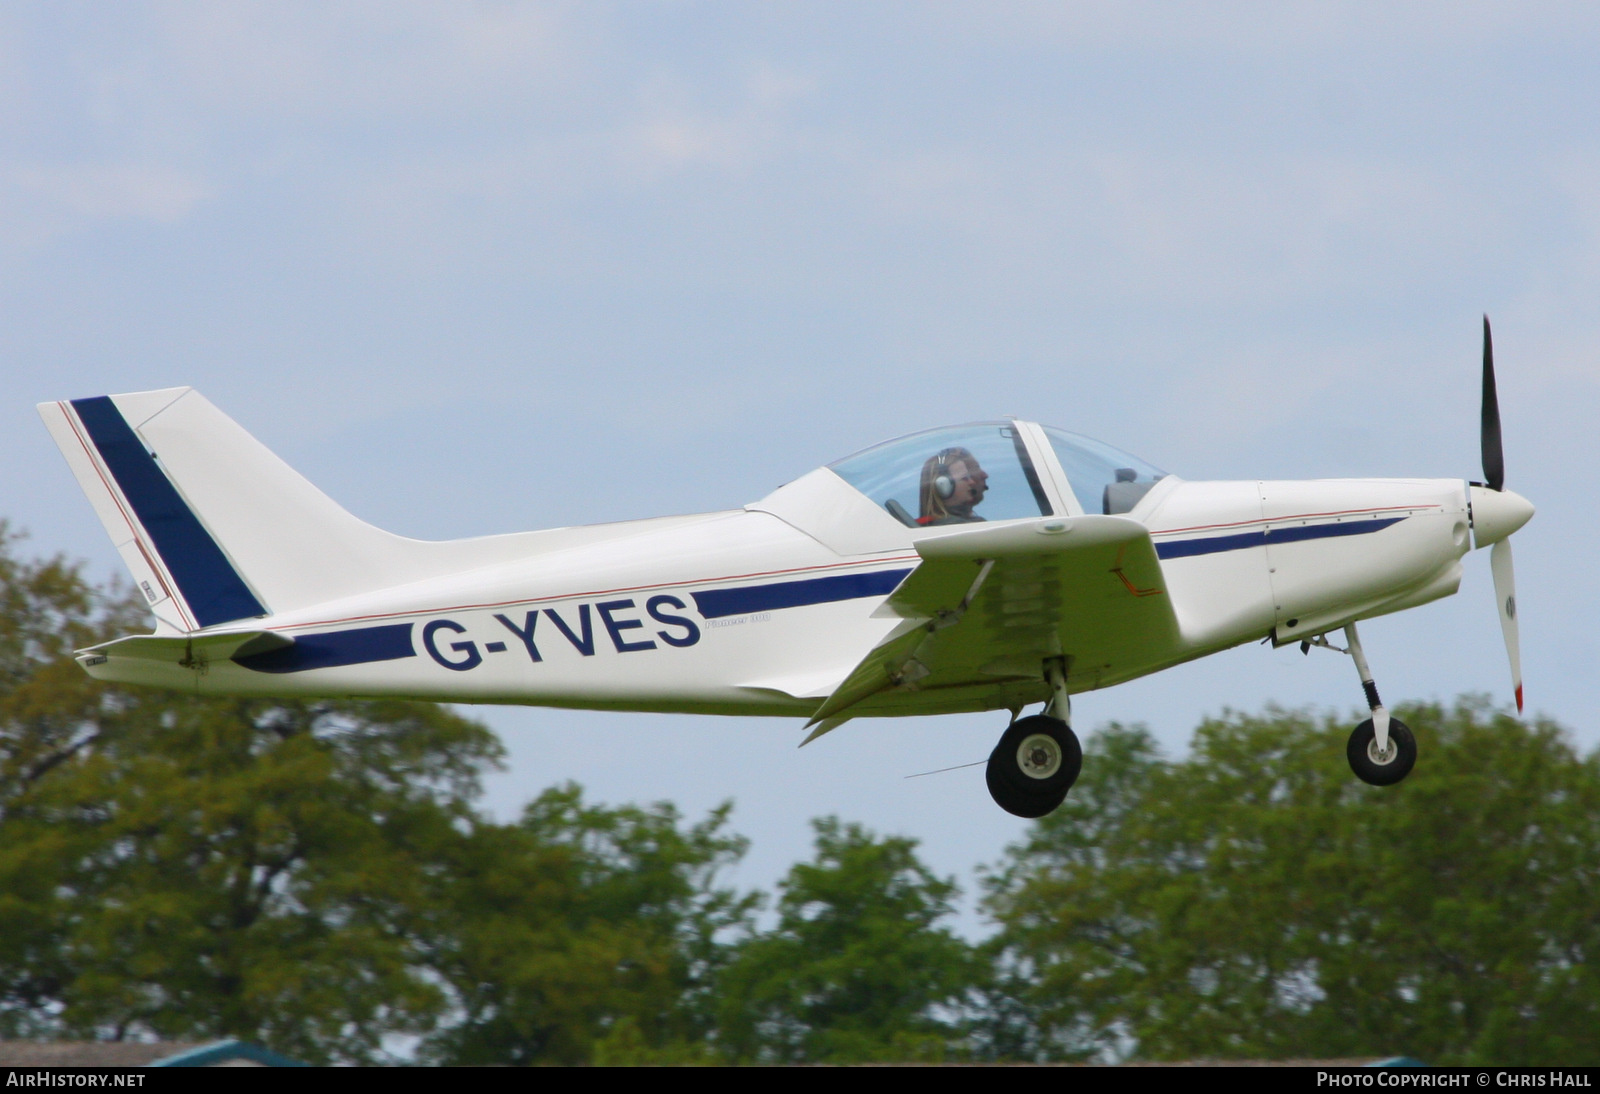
(858, 967)
(182, 867)
(587, 933)
(316, 877)
(1255, 901)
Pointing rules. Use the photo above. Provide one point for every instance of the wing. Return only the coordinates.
(991, 602)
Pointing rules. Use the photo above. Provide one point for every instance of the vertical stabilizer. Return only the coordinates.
(185, 576)
(213, 527)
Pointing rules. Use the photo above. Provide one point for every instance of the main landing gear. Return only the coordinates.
(1382, 750)
(1038, 757)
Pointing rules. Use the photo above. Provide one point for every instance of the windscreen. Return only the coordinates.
(1104, 479)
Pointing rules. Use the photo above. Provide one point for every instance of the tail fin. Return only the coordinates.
(212, 525)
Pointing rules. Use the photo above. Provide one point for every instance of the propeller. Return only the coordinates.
(1496, 513)
(1494, 456)
(1505, 593)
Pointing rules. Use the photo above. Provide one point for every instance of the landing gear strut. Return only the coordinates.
(1038, 758)
(1382, 750)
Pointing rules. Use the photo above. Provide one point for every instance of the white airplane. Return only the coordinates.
(978, 567)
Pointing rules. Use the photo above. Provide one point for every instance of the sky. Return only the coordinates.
(484, 267)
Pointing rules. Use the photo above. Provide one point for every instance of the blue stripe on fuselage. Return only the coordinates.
(391, 642)
(212, 588)
(1185, 548)
(332, 649)
(719, 603)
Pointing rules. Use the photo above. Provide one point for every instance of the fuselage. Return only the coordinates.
(764, 610)
(794, 604)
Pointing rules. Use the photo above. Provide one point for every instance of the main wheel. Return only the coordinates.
(1382, 768)
(1033, 766)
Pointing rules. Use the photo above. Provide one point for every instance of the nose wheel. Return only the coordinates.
(1038, 758)
(1382, 766)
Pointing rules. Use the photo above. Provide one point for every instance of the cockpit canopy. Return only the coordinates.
(1104, 479)
(991, 471)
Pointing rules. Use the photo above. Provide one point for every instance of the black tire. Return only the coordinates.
(1033, 766)
(1019, 803)
(1378, 770)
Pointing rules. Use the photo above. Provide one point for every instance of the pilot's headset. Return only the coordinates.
(938, 484)
(943, 484)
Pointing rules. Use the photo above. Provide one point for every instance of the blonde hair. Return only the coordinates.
(931, 503)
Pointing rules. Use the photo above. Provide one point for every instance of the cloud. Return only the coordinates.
(1192, 229)
(1260, 26)
(40, 202)
(729, 124)
(332, 62)
(109, 191)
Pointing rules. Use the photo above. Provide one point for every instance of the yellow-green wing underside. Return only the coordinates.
(992, 602)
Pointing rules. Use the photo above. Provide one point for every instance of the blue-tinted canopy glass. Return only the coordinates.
(955, 475)
(1104, 479)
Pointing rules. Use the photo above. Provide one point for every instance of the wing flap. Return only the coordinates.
(884, 667)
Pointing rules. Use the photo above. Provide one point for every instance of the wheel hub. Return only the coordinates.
(1382, 756)
(1039, 756)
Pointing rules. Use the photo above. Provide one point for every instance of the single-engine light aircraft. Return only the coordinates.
(978, 567)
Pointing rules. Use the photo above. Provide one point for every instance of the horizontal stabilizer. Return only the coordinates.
(186, 650)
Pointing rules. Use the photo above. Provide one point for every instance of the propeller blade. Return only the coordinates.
(1494, 459)
(1505, 595)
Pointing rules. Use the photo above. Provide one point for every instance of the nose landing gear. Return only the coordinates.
(1379, 766)
(1382, 750)
(1038, 757)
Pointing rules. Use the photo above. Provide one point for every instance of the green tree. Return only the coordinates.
(193, 868)
(1256, 901)
(46, 719)
(587, 934)
(313, 876)
(857, 967)
(1056, 970)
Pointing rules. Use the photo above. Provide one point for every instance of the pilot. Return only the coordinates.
(952, 484)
